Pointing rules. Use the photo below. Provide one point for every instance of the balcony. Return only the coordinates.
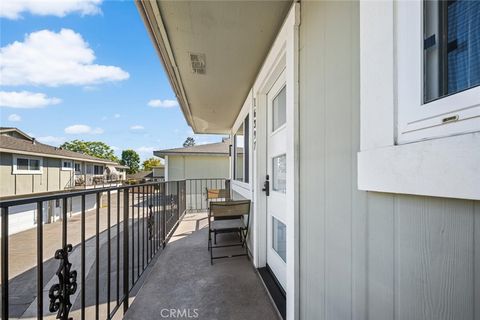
(90, 264)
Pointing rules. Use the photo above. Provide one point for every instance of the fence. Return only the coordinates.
(86, 264)
(196, 192)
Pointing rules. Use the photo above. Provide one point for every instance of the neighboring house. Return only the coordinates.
(146, 176)
(196, 162)
(159, 171)
(29, 167)
(360, 124)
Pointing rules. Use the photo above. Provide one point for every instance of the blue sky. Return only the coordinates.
(98, 72)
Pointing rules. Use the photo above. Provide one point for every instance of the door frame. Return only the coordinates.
(282, 56)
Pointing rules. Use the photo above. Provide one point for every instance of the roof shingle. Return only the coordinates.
(15, 144)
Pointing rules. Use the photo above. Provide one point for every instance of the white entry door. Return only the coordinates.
(276, 171)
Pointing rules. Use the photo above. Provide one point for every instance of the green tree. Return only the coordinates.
(150, 163)
(189, 142)
(131, 159)
(92, 148)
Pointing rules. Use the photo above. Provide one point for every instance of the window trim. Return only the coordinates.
(74, 164)
(453, 114)
(15, 170)
(441, 167)
(246, 151)
(71, 168)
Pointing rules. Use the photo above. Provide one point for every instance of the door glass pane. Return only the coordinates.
(279, 109)
(279, 240)
(279, 173)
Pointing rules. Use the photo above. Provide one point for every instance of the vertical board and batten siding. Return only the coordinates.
(7, 185)
(197, 167)
(53, 178)
(368, 255)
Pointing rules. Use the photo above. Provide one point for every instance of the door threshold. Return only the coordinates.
(276, 291)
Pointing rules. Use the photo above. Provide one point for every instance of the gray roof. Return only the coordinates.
(140, 175)
(219, 148)
(11, 144)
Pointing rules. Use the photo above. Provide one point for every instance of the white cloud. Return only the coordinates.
(90, 88)
(14, 117)
(137, 127)
(53, 59)
(115, 148)
(12, 9)
(157, 103)
(145, 150)
(52, 140)
(25, 99)
(116, 116)
(82, 129)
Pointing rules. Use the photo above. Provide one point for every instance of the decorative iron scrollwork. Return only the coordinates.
(60, 292)
(150, 222)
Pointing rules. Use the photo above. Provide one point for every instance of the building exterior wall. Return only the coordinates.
(158, 172)
(52, 178)
(196, 167)
(53, 174)
(368, 255)
(7, 184)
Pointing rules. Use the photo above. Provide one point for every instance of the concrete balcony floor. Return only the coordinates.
(183, 284)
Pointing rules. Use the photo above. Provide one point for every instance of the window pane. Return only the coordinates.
(34, 164)
(77, 167)
(22, 164)
(246, 153)
(98, 170)
(452, 47)
(279, 172)
(279, 238)
(279, 109)
(239, 154)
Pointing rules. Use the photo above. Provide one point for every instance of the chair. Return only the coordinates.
(228, 217)
(217, 194)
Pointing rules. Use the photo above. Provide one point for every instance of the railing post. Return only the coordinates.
(178, 200)
(163, 210)
(82, 258)
(5, 263)
(39, 260)
(97, 256)
(125, 250)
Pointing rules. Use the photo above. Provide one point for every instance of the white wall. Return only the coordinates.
(197, 167)
(368, 255)
(23, 217)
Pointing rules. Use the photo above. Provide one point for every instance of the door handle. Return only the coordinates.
(266, 186)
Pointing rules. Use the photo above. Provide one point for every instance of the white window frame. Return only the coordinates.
(439, 161)
(446, 116)
(19, 171)
(71, 168)
(246, 157)
(80, 164)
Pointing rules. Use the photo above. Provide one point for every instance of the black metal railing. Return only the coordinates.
(196, 190)
(89, 262)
